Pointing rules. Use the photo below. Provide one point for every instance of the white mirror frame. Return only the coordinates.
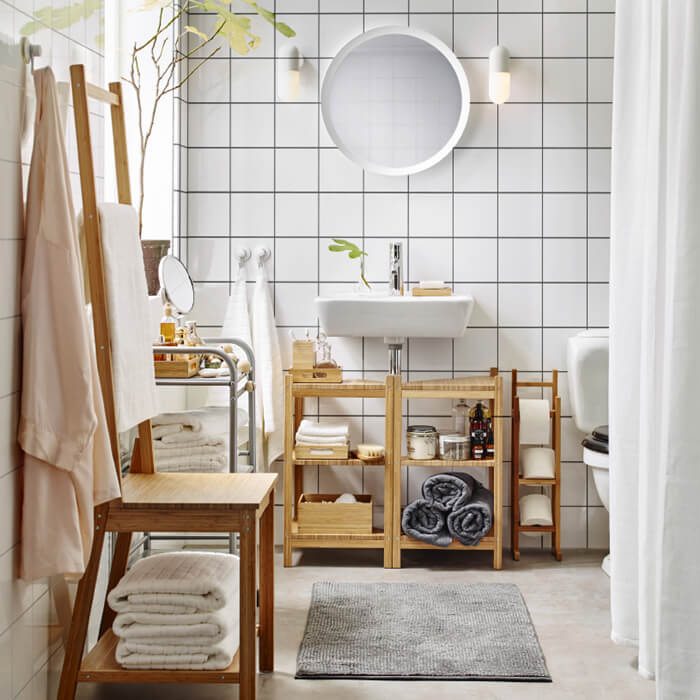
(461, 79)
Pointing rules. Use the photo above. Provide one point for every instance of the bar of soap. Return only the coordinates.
(431, 284)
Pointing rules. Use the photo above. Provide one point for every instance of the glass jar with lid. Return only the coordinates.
(421, 441)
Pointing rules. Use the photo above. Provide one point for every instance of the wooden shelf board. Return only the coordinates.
(337, 540)
(447, 462)
(537, 482)
(100, 666)
(487, 543)
(349, 462)
(479, 383)
(355, 387)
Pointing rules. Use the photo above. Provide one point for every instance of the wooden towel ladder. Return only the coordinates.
(518, 480)
(158, 502)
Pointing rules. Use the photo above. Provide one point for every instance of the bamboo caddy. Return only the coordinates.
(153, 502)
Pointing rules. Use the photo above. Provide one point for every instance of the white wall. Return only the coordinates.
(30, 647)
(517, 215)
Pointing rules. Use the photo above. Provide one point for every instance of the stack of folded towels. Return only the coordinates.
(194, 441)
(322, 434)
(178, 610)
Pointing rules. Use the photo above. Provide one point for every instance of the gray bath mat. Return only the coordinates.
(416, 631)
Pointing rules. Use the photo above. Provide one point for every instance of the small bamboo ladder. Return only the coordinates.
(518, 481)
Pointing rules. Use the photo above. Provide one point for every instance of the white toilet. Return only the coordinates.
(587, 359)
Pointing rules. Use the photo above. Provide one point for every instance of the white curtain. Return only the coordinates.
(655, 340)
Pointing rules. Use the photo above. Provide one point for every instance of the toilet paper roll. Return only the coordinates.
(537, 462)
(535, 509)
(534, 422)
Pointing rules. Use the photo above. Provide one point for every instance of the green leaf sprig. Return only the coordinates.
(340, 245)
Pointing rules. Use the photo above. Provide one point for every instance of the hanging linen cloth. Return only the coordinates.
(268, 363)
(68, 464)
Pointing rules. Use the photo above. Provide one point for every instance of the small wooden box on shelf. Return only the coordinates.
(181, 368)
(321, 452)
(318, 513)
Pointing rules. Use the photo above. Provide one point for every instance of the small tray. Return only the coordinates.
(321, 452)
(439, 292)
(176, 369)
(318, 374)
(316, 517)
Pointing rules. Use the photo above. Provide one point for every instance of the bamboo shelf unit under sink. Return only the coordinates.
(393, 391)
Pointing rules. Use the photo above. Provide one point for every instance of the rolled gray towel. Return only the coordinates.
(449, 490)
(424, 521)
(470, 522)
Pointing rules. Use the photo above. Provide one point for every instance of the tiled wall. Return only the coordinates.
(30, 646)
(517, 215)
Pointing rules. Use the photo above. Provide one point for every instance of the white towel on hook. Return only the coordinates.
(268, 368)
(236, 325)
(130, 329)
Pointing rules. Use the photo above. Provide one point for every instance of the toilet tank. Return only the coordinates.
(587, 359)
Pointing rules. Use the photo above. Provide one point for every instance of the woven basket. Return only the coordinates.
(153, 252)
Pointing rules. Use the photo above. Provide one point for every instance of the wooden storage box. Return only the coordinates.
(314, 516)
(321, 452)
(182, 368)
(318, 374)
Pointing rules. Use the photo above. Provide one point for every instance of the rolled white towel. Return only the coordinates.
(309, 428)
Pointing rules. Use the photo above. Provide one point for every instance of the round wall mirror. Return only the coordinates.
(176, 283)
(395, 100)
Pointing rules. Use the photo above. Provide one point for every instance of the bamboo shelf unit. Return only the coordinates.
(295, 393)
(517, 481)
(390, 538)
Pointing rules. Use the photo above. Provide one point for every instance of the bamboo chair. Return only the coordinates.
(158, 502)
(518, 481)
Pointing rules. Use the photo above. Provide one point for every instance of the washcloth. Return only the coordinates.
(199, 629)
(449, 490)
(469, 523)
(217, 656)
(177, 582)
(322, 430)
(426, 522)
(130, 330)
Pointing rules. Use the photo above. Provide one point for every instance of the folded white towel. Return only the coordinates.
(182, 581)
(160, 431)
(184, 419)
(200, 628)
(177, 451)
(302, 439)
(217, 464)
(308, 427)
(213, 656)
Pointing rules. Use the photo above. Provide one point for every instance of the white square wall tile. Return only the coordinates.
(522, 34)
(564, 80)
(252, 80)
(599, 215)
(252, 169)
(210, 82)
(296, 169)
(573, 484)
(296, 259)
(475, 214)
(520, 348)
(296, 124)
(599, 260)
(601, 34)
(439, 25)
(564, 170)
(599, 170)
(481, 127)
(252, 124)
(598, 528)
(599, 125)
(252, 214)
(296, 214)
(564, 260)
(519, 260)
(555, 342)
(385, 214)
(475, 259)
(336, 30)
(476, 350)
(294, 304)
(477, 70)
(573, 527)
(338, 173)
(430, 215)
(340, 214)
(564, 305)
(429, 354)
(207, 259)
(207, 125)
(520, 125)
(485, 310)
(429, 259)
(564, 35)
(475, 169)
(564, 125)
(520, 215)
(207, 214)
(207, 169)
(520, 305)
(438, 178)
(474, 35)
(526, 80)
(598, 305)
(564, 214)
(600, 79)
(519, 170)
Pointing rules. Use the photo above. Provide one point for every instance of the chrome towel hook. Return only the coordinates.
(29, 51)
(263, 255)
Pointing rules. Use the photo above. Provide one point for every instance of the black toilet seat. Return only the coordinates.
(598, 440)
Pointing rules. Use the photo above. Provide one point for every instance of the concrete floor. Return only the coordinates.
(568, 601)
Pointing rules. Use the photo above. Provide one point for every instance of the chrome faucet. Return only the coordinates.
(395, 269)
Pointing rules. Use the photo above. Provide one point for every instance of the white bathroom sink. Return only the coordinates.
(394, 317)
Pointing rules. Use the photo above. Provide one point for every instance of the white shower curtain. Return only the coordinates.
(655, 340)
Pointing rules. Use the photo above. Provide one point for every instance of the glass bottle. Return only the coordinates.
(168, 324)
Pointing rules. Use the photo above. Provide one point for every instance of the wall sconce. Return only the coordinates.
(289, 65)
(499, 75)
